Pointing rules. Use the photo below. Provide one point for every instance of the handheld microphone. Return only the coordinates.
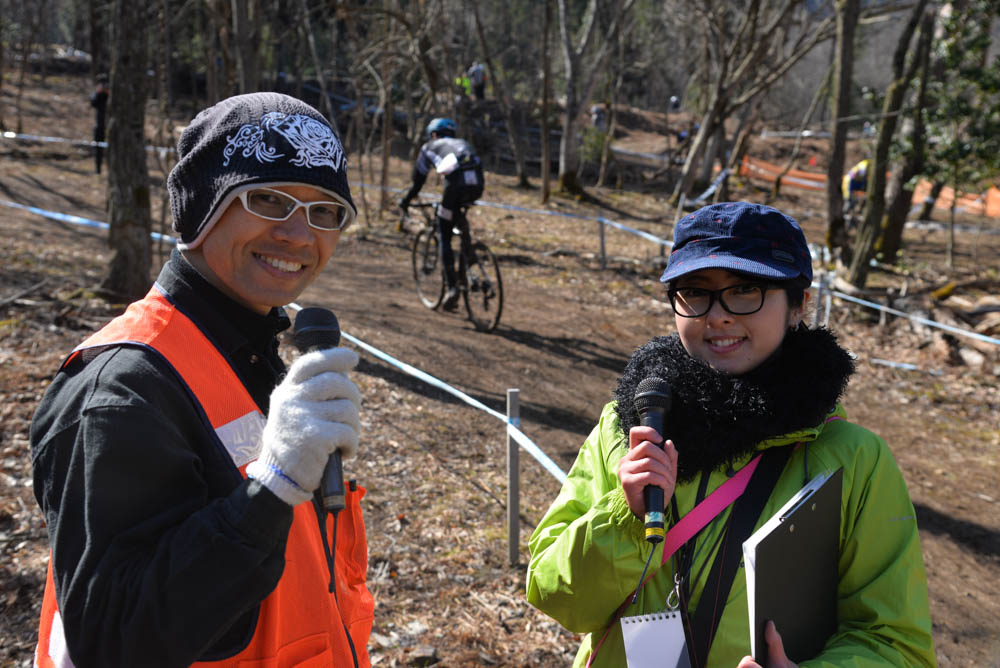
(652, 401)
(317, 329)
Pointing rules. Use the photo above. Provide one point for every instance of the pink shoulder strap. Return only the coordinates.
(706, 511)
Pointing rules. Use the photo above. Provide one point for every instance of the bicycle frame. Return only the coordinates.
(477, 274)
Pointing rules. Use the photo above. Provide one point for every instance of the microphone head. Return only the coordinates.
(652, 392)
(315, 328)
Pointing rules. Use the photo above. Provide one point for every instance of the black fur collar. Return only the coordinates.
(716, 419)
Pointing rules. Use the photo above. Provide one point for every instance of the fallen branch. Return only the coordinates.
(23, 293)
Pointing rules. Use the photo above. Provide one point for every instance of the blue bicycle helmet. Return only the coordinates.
(444, 127)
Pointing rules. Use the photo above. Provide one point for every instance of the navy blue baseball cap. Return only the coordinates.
(751, 239)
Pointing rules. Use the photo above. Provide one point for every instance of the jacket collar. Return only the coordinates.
(718, 420)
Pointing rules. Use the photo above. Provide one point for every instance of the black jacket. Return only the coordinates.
(162, 552)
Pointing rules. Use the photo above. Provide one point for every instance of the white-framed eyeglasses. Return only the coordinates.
(272, 204)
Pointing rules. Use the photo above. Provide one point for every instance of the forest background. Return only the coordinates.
(642, 105)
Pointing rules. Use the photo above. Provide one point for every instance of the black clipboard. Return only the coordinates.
(791, 565)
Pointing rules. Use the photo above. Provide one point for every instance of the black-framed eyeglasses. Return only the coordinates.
(740, 299)
(273, 204)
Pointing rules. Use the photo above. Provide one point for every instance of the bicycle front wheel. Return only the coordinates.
(426, 259)
(484, 289)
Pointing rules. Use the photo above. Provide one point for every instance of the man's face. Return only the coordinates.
(265, 263)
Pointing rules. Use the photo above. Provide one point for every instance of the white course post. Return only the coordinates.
(513, 479)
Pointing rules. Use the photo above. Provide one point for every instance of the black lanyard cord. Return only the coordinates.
(742, 519)
(330, 548)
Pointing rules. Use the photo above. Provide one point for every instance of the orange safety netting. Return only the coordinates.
(984, 204)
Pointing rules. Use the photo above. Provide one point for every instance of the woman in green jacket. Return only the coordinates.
(747, 377)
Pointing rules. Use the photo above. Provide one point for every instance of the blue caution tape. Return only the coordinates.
(713, 186)
(74, 142)
(916, 318)
(904, 365)
(640, 233)
(535, 452)
(512, 430)
(51, 140)
(76, 220)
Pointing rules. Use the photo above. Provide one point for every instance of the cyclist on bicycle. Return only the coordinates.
(854, 185)
(456, 160)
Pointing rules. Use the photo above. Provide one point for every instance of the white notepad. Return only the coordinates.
(655, 640)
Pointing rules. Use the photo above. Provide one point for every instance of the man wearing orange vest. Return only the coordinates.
(176, 460)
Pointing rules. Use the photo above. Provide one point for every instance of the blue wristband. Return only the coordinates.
(281, 474)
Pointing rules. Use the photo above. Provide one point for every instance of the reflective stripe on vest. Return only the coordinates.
(300, 623)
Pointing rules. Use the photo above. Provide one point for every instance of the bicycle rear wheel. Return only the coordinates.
(483, 292)
(426, 260)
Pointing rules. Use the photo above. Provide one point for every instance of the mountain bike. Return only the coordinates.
(478, 273)
(853, 216)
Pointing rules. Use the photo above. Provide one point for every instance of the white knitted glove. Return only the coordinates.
(313, 412)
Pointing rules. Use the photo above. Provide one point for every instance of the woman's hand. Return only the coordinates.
(775, 651)
(646, 463)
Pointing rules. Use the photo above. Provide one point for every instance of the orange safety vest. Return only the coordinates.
(300, 623)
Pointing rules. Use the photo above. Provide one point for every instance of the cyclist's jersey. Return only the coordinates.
(456, 160)
(856, 179)
(452, 157)
(477, 74)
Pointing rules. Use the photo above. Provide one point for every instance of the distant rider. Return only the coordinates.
(477, 78)
(854, 185)
(456, 160)
(99, 101)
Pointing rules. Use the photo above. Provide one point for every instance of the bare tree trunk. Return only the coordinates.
(609, 136)
(546, 101)
(607, 157)
(716, 148)
(299, 64)
(843, 74)
(949, 249)
(359, 114)
(741, 145)
(246, 37)
(221, 19)
(211, 60)
(699, 144)
(97, 13)
(927, 208)
(871, 227)
(165, 64)
(579, 83)
(128, 276)
(813, 105)
(386, 124)
(324, 103)
(29, 39)
(163, 136)
(900, 193)
(3, 63)
(505, 108)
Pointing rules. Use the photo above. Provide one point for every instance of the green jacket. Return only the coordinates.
(589, 549)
